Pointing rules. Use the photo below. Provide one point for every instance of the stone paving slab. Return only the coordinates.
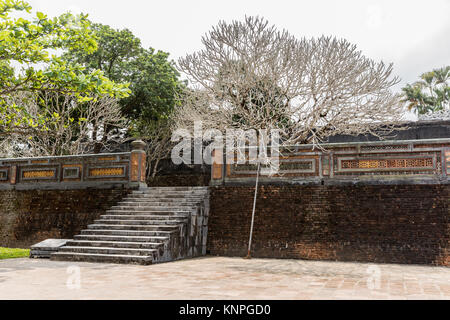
(221, 278)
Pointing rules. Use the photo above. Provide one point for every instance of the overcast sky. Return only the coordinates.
(413, 34)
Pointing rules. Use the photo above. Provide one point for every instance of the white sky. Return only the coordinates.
(413, 34)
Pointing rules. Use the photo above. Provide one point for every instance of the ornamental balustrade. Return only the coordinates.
(125, 169)
(417, 161)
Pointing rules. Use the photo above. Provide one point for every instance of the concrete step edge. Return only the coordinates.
(130, 231)
(117, 242)
(125, 237)
(132, 226)
(144, 222)
(108, 248)
(101, 255)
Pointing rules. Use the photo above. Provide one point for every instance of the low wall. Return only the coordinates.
(367, 223)
(30, 216)
(383, 162)
(57, 197)
(385, 202)
(101, 171)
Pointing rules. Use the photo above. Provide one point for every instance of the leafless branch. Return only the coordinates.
(74, 128)
(252, 76)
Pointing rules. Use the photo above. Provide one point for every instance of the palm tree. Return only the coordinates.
(431, 93)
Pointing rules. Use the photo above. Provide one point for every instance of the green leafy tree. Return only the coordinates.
(29, 63)
(154, 80)
(154, 83)
(431, 93)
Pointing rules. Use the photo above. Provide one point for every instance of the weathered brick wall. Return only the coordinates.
(28, 217)
(370, 223)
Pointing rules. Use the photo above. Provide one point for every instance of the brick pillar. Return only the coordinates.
(138, 164)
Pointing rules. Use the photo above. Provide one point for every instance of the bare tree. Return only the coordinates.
(252, 76)
(157, 135)
(75, 127)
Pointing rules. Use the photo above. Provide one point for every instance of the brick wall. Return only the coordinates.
(28, 217)
(370, 223)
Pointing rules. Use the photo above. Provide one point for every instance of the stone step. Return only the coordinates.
(108, 250)
(138, 229)
(168, 197)
(174, 189)
(101, 258)
(154, 208)
(143, 217)
(173, 214)
(164, 200)
(121, 238)
(135, 221)
(155, 203)
(133, 233)
(115, 244)
(173, 228)
(169, 193)
(170, 190)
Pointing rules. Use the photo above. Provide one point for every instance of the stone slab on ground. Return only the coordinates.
(44, 249)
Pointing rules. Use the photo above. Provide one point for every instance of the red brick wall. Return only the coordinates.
(28, 217)
(371, 223)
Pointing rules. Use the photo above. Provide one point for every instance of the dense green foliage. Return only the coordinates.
(431, 93)
(29, 63)
(154, 81)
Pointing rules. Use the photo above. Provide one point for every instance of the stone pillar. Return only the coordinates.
(447, 161)
(217, 167)
(13, 177)
(138, 164)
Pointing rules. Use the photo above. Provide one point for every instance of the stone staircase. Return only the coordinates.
(151, 225)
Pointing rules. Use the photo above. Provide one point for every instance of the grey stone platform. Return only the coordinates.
(44, 249)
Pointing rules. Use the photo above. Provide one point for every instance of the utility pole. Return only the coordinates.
(249, 256)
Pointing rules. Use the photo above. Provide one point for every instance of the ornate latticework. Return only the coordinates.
(106, 172)
(387, 163)
(39, 174)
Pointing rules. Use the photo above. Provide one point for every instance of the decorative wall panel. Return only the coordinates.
(447, 160)
(3, 174)
(286, 166)
(107, 172)
(342, 162)
(385, 164)
(38, 174)
(71, 172)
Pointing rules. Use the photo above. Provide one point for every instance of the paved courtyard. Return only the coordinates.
(221, 278)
